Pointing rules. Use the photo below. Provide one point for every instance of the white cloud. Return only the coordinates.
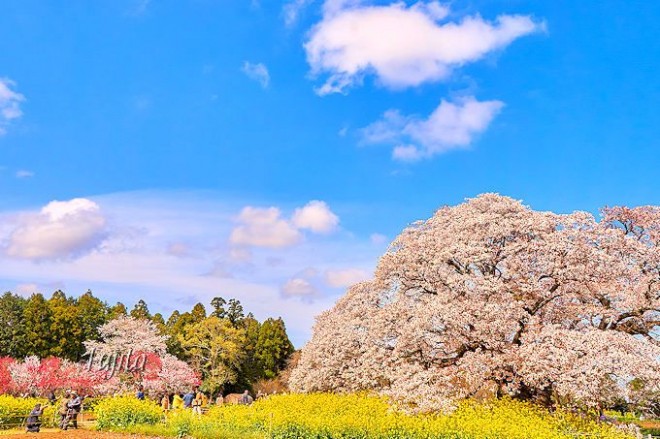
(257, 72)
(23, 173)
(60, 230)
(10, 101)
(264, 227)
(291, 11)
(451, 125)
(133, 260)
(345, 278)
(298, 287)
(315, 216)
(401, 45)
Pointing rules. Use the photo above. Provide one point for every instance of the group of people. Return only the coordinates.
(195, 399)
(69, 408)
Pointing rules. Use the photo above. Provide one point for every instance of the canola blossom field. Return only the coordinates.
(356, 416)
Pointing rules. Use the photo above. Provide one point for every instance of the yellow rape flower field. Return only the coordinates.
(358, 416)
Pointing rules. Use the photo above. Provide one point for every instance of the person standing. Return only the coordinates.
(64, 410)
(140, 392)
(246, 399)
(188, 398)
(177, 401)
(75, 406)
(165, 402)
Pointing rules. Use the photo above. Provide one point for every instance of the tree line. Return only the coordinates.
(229, 348)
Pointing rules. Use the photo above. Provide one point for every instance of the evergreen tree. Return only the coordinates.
(116, 311)
(250, 368)
(141, 311)
(273, 347)
(159, 321)
(218, 304)
(198, 313)
(235, 312)
(92, 314)
(37, 320)
(65, 329)
(12, 326)
(177, 324)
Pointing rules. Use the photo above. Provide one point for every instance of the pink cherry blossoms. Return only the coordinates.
(491, 297)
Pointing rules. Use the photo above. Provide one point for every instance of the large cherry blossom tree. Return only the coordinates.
(491, 297)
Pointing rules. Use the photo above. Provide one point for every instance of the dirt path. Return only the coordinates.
(75, 434)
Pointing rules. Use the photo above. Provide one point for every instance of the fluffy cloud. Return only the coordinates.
(10, 101)
(345, 278)
(353, 40)
(315, 216)
(257, 72)
(265, 227)
(61, 229)
(451, 125)
(298, 287)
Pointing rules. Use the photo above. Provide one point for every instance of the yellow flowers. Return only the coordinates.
(121, 412)
(360, 416)
(13, 411)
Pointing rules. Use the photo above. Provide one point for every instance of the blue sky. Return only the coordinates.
(175, 126)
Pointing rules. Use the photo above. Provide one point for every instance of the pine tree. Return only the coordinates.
(273, 347)
(218, 304)
(12, 326)
(141, 311)
(118, 310)
(37, 320)
(65, 328)
(198, 313)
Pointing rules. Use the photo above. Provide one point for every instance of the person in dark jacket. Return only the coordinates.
(33, 423)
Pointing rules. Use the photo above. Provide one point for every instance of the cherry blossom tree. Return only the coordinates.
(125, 334)
(173, 375)
(492, 298)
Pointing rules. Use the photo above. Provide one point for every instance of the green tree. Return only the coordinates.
(37, 321)
(215, 348)
(65, 328)
(250, 368)
(198, 313)
(141, 311)
(118, 310)
(273, 347)
(235, 312)
(159, 321)
(12, 326)
(218, 304)
(176, 324)
(92, 313)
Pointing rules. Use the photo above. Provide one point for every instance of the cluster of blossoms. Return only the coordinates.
(130, 352)
(492, 298)
(34, 376)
